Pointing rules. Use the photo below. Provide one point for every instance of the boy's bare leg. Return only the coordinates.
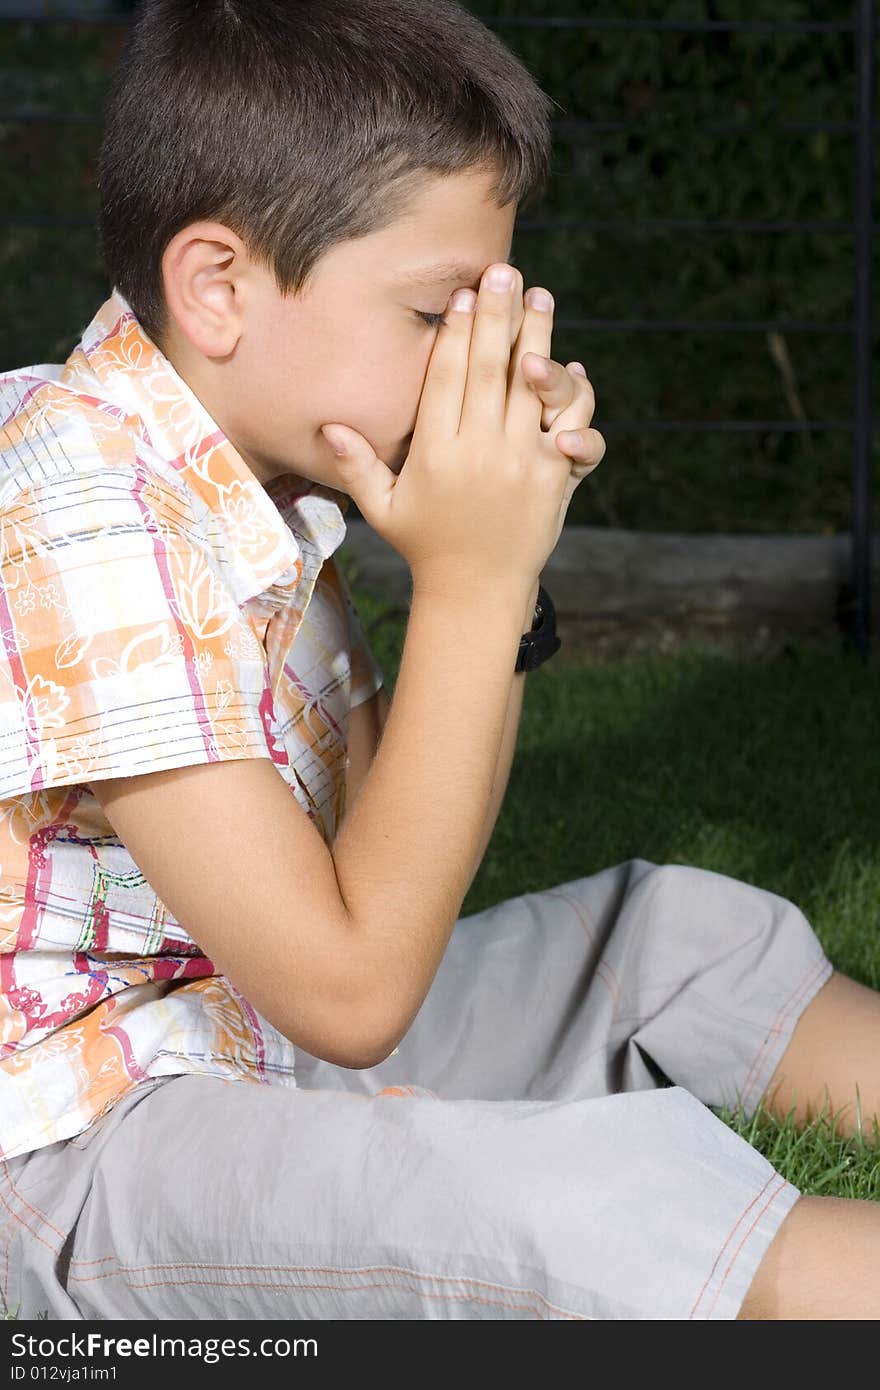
(835, 1047)
(823, 1263)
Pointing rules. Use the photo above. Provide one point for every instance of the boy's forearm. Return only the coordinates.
(508, 749)
(505, 757)
(405, 854)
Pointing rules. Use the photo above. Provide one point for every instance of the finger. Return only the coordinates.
(577, 415)
(555, 384)
(534, 338)
(485, 391)
(583, 447)
(443, 390)
(558, 387)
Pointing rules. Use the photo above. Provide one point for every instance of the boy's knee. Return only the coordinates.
(688, 895)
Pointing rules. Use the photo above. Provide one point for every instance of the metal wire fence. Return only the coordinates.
(860, 124)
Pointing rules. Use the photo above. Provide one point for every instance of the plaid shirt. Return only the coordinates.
(159, 608)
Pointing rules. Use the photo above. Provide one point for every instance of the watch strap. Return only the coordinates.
(541, 642)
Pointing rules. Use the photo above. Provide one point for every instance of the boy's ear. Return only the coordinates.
(203, 270)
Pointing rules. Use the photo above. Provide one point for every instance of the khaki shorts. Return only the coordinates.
(540, 1147)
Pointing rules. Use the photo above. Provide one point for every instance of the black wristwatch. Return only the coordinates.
(538, 645)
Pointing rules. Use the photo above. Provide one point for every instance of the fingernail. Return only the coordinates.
(540, 299)
(577, 367)
(463, 300)
(573, 440)
(500, 277)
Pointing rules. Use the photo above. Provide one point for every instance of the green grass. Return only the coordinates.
(765, 770)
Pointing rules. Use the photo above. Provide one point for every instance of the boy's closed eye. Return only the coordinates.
(432, 320)
(436, 320)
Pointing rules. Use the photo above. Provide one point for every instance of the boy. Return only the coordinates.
(498, 1116)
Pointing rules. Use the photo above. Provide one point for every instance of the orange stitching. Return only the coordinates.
(776, 1027)
(9, 1226)
(793, 1002)
(733, 1230)
(768, 1203)
(35, 1235)
(305, 1269)
(414, 1274)
(12, 1226)
(774, 1030)
(343, 1288)
(41, 1214)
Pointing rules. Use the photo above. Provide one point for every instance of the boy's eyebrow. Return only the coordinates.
(437, 272)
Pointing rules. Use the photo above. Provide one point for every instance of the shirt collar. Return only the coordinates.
(278, 535)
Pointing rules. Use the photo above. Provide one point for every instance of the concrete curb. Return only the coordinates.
(607, 576)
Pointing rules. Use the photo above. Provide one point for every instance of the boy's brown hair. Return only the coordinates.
(300, 124)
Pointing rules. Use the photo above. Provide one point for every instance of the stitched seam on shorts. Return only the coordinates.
(274, 1268)
(26, 1227)
(11, 1227)
(6, 1251)
(344, 1288)
(36, 1236)
(27, 1205)
(10, 1230)
(778, 1024)
(769, 1202)
(135, 1269)
(302, 1269)
(733, 1230)
(648, 1011)
(17, 1220)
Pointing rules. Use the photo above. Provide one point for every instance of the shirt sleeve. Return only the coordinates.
(366, 673)
(122, 650)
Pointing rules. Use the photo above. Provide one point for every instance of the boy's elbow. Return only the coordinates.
(377, 1040)
(354, 1033)
(372, 1056)
(366, 1051)
(354, 1053)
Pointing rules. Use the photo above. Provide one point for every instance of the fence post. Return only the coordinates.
(863, 38)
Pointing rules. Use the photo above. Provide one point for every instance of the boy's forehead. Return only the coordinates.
(416, 262)
(441, 272)
(440, 241)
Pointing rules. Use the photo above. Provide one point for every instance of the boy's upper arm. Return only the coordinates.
(236, 859)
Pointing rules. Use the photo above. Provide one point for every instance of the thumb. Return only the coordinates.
(368, 480)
